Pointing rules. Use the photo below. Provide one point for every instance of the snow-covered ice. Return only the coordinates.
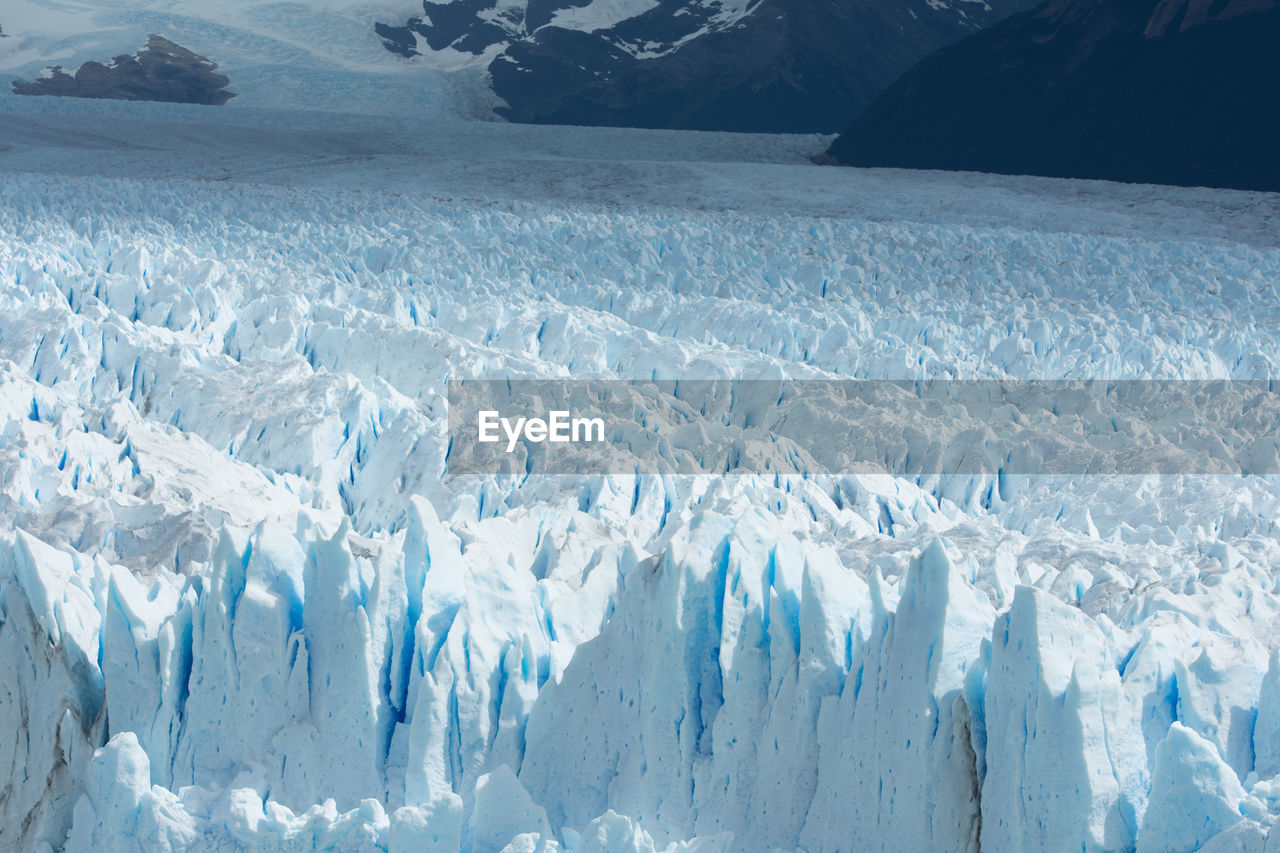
(242, 609)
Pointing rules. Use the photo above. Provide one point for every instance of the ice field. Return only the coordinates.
(242, 609)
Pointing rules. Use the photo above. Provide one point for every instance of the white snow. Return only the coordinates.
(241, 608)
(600, 14)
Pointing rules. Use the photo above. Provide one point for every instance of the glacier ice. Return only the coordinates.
(241, 606)
(1196, 794)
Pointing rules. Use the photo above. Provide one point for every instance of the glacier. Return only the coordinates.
(242, 607)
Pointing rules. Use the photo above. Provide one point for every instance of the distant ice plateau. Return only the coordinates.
(242, 609)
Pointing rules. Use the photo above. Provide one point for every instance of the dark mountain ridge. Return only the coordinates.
(1183, 92)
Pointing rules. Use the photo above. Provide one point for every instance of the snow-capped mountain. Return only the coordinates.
(1175, 91)
(805, 65)
(761, 65)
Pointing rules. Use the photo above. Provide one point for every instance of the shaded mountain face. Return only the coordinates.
(161, 71)
(1183, 92)
(748, 65)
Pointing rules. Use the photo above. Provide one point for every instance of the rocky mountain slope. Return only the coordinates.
(808, 65)
(160, 71)
(1180, 92)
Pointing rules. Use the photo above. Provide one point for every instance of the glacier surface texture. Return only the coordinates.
(242, 608)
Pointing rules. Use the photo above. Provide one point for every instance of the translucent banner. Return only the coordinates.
(905, 428)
